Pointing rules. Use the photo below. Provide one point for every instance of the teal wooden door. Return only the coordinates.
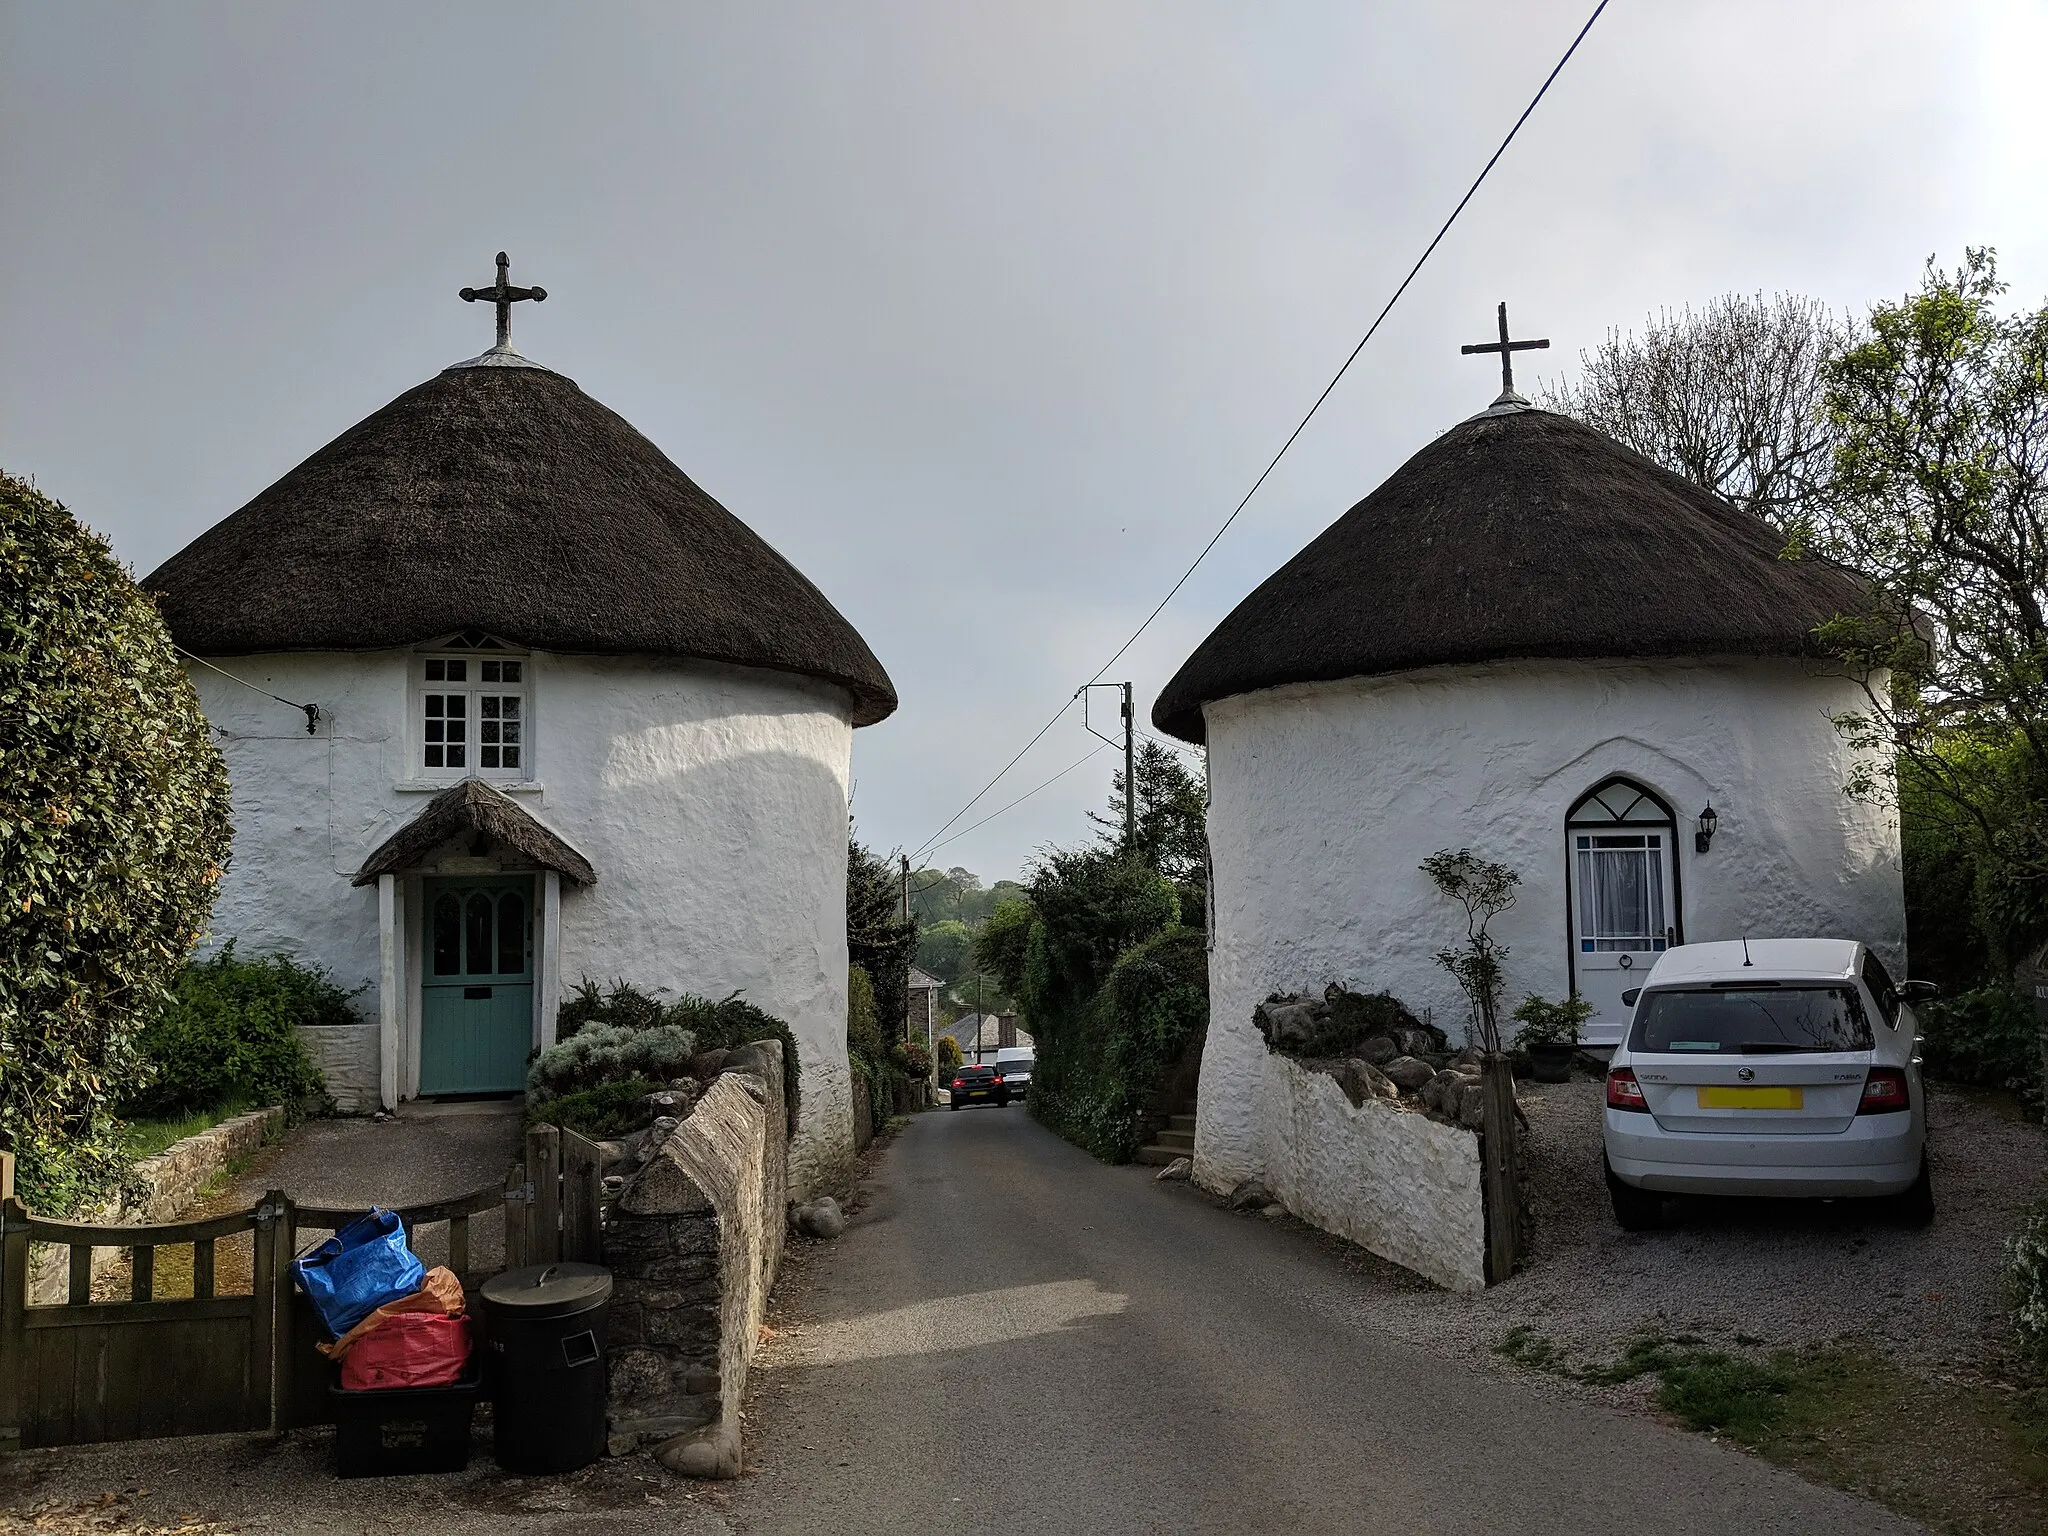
(476, 996)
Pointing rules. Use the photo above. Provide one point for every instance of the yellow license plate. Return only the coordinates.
(1752, 1098)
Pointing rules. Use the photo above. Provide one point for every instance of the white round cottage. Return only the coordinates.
(571, 719)
(1536, 644)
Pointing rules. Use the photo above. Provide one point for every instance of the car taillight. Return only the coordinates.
(959, 1082)
(1884, 1092)
(997, 1081)
(1624, 1092)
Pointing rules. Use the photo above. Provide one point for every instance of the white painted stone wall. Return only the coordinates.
(1394, 1181)
(711, 800)
(1326, 797)
(348, 1059)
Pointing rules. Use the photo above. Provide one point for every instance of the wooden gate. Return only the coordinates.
(126, 1370)
(87, 1370)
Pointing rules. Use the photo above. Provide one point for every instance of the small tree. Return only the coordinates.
(1172, 819)
(878, 940)
(113, 830)
(1733, 398)
(1484, 890)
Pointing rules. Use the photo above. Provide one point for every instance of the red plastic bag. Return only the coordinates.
(410, 1349)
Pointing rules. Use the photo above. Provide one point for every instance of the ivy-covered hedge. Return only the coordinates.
(1986, 1038)
(228, 1035)
(1090, 1083)
(113, 833)
(1113, 988)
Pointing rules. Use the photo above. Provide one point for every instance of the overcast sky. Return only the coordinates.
(985, 316)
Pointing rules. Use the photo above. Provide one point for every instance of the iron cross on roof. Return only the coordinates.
(504, 295)
(1506, 349)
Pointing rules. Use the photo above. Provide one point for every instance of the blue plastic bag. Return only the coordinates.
(356, 1271)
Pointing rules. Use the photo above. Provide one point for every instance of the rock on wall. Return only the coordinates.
(693, 1243)
(346, 1055)
(1326, 797)
(1392, 1180)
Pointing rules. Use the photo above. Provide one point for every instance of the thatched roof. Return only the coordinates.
(472, 809)
(1518, 533)
(504, 499)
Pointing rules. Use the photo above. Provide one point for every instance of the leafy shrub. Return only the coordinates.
(2026, 1276)
(605, 1053)
(228, 1036)
(949, 1056)
(1092, 1080)
(911, 1058)
(863, 1026)
(607, 1110)
(113, 830)
(1546, 1023)
(1986, 1038)
(627, 1011)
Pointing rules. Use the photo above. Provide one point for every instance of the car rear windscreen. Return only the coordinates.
(975, 1072)
(1751, 1020)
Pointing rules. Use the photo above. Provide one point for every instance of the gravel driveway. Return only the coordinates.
(1753, 1272)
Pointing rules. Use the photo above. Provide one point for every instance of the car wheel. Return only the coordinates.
(1915, 1207)
(954, 1105)
(1637, 1210)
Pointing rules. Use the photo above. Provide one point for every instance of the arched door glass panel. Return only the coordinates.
(477, 947)
(1621, 848)
(448, 936)
(511, 934)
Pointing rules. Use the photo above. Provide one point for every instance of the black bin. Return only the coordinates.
(546, 1326)
(406, 1429)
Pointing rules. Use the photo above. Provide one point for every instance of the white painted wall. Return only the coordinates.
(1326, 797)
(711, 800)
(1392, 1180)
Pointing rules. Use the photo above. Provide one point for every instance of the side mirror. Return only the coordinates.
(1919, 991)
(1628, 998)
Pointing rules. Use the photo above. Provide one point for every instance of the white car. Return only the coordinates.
(1785, 1067)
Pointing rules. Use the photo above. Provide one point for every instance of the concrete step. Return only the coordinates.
(1181, 1141)
(1157, 1156)
(1180, 1122)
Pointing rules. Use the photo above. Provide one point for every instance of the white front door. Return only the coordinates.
(1624, 906)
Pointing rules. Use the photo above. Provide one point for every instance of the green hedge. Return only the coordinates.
(1091, 1081)
(113, 832)
(227, 1036)
(1986, 1038)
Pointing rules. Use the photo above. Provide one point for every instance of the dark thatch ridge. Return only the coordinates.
(505, 500)
(1522, 534)
(470, 809)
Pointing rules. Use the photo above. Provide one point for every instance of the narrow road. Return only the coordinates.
(1012, 1337)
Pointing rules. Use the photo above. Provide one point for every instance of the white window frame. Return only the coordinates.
(472, 651)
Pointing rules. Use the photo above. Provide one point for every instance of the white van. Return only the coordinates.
(1013, 1066)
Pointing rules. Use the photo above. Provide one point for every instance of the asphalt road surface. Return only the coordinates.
(1012, 1337)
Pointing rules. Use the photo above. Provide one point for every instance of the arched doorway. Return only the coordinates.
(1621, 882)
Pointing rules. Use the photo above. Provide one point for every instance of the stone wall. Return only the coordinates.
(348, 1058)
(1379, 1173)
(158, 1189)
(693, 1243)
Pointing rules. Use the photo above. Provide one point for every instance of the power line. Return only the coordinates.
(1300, 426)
(311, 711)
(992, 815)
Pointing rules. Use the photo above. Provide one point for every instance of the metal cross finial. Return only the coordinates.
(1506, 349)
(504, 295)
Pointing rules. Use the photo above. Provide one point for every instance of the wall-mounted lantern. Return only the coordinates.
(1703, 839)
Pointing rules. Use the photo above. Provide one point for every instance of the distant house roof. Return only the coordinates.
(497, 496)
(1518, 533)
(924, 981)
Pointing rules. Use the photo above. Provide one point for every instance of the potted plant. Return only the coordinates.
(1550, 1035)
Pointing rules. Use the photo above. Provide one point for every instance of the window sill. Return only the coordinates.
(435, 786)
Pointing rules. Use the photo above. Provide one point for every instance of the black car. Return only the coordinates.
(979, 1085)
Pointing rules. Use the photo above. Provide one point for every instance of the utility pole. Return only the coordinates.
(906, 889)
(1130, 778)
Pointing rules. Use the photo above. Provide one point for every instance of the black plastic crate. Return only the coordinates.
(407, 1430)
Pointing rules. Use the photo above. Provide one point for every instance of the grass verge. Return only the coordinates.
(1966, 1456)
(146, 1138)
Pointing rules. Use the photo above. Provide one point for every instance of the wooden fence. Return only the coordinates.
(208, 1363)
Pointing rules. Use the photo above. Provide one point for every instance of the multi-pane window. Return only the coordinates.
(472, 713)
